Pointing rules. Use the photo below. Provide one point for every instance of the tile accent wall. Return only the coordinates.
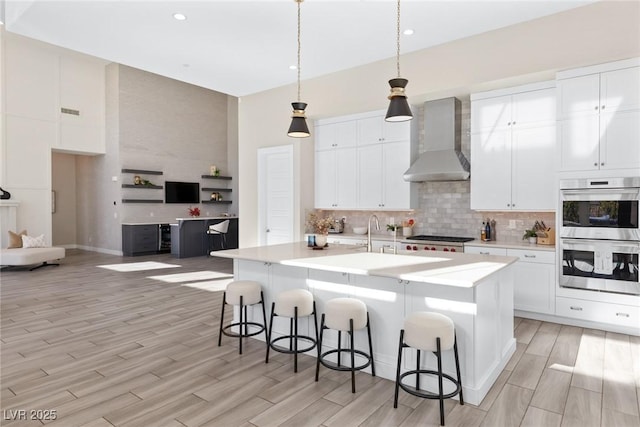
(444, 207)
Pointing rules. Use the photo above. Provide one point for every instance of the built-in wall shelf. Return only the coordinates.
(215, 189)
(143, 186)
(142, 171)
(142, 201)
(220, 202)
(216, 177)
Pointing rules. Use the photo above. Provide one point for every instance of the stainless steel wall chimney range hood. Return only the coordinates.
(442, 159)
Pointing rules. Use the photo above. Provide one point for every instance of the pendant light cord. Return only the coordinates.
(397, 40)
(298, 1)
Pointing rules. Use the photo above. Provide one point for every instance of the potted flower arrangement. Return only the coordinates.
(320, 226)
(407, 227)
(194, 211)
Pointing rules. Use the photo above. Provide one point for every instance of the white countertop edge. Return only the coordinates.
(449, 273)
(512, 245)
(173, 221)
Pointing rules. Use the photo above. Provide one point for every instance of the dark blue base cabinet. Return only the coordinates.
(145, 239)
(189, 238)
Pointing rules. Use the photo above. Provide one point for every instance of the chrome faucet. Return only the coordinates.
(369, 247)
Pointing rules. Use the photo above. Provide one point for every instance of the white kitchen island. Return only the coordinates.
(475, 291)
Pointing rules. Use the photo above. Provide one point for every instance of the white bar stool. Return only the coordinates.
(293, 304)
(220, 229)
(349, 315)
(433, 332)
(242, 293)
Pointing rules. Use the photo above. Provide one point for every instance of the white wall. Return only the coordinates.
(532, 51)
(33, 124)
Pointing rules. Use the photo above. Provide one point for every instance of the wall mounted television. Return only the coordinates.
(181, 192)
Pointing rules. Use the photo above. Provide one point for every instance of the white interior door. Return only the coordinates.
(275, 196)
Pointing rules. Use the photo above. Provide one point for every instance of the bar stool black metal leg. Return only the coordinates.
(319, 346)
(295, 340)
(353, 357)
(264, 316)
(400, 346)
(291, 334)
(373, 365)
(440, 393)
(315, 322)
(455, 353)
(417, 369)
(240, 326)
(224, 302)
(339, 347)
(273, 310)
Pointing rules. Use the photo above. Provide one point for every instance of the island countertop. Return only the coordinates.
(452, 269)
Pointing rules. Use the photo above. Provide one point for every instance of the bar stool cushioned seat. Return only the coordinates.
(242, 293)
(345, 315)
(293, 304)
(432, 332)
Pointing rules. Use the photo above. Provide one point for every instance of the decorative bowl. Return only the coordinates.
(360, 230)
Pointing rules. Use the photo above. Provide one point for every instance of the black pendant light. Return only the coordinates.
(399, 110)
(298, 128)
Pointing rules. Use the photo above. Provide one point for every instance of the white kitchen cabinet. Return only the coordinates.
(534, 276)
(374, 130)
(626, 316)
(380, 169)
(360, 161)
(534, 284)
(335, 182)
(599, 117)
(336, 135)
(483, 249)
(513, 149)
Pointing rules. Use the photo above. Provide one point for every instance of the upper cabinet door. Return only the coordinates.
(336, 135)
(533, 108)
(490, 114)
(370, 130)
(579, 96)
(620, 90)
(395, 162)
(370, 177)
(491, 170)
(396, 131)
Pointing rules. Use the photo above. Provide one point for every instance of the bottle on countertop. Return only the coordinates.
(483, 232)
(487, 230)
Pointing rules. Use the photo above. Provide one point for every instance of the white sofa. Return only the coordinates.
(30, 256)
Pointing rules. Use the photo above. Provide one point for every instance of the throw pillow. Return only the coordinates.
(15, 239)
(33, 242)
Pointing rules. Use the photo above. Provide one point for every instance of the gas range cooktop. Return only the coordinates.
(448, 239)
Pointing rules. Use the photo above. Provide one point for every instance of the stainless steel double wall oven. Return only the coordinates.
(600, 234)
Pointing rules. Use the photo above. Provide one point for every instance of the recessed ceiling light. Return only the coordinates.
(180, 16)
(408, 32)
(293, 67)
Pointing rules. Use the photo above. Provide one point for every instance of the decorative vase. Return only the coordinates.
(406, 231)
(321, 240)
(533, 240)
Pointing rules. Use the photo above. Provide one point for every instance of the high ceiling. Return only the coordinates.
(241, 47)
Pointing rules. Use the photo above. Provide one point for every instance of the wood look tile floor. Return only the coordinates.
(103, 348)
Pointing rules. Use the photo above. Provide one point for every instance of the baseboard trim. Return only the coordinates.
(100, 250)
